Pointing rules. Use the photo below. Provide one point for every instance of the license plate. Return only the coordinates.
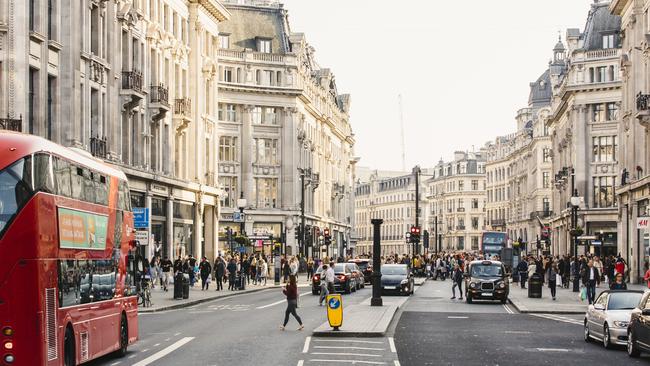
(389, 287)
(486, 294)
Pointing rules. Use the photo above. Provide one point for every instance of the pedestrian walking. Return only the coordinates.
(166, 267)
(330, 277)
(457, 279)
(618, 283)
(324, 286)
(646, 277)
(219, 272)
(310, 268)
(522, 269)
(552, 274)
(291, 291)
(263, 270)
(590, 278)
(205, 269)
(232, 274)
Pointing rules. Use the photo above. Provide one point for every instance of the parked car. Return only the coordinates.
(397, 278)
(365, 265)
(344, 279)
(608, 318)
(358, 276)
(315, 281)
(638, 330)
(486, 280)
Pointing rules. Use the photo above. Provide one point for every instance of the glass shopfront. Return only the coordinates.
(183, 229)
(159, 226)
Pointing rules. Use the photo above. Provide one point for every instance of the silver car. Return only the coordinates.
(607, 319)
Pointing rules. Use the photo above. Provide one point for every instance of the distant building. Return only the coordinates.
(456, 199)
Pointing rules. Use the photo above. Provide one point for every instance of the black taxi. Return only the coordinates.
(486, 280)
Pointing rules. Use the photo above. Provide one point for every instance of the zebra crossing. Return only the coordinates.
(349, 351)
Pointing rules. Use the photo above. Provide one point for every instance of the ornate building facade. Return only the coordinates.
(281, 116)
(456, 199)
(633, 188)
(584, 126)
(131, 82)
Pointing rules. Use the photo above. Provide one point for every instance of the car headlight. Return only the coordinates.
(472, 284)
(501, 285)
(621, 324)
(404, 282)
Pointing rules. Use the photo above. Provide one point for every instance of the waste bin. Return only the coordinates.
(241, 282)
(178, 286)
(186, 286)
(535, 283)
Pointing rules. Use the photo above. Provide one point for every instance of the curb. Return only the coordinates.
(524, 310)
(200, 301)
(344, 334)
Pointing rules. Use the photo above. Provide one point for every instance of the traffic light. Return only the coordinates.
(298, 231)
(327, 237)
(426, 239)
(415, 234)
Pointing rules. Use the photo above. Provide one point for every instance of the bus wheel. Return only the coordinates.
(69, 354)
(124, 336)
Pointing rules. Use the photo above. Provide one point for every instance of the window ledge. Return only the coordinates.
(54, 45)
(36, 36)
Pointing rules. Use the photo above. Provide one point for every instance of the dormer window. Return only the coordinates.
(608, 41)
(264, 45)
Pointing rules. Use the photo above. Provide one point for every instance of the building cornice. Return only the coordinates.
(214, 8)
(616, 7)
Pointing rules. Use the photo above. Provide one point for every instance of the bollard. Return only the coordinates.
(376, 263)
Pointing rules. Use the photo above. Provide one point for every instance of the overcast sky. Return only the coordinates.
(462, 67)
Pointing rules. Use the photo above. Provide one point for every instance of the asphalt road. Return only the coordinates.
(435, 330)
(239, 330)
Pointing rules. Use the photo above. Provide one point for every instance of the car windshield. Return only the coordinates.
(393, 270)
(486, 270)
(339, 267)
(623, 300)
(362, 265)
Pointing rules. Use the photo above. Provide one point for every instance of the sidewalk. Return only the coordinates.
(363, 320)
(163, 301)
(567, 301)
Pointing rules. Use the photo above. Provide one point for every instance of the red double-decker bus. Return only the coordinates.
(67, 269)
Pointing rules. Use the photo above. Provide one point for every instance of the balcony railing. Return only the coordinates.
(98, 147)
(132, 80)
(460, 227)
(159, 94)
(11, 124)
(183, 106)
(642, 102)
(460, 209)
(498, 222)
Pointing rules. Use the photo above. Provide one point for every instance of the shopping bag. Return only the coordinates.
(583, 293)
(558, 278)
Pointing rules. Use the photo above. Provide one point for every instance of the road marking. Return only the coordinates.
(301, 362)
(359, 348)
(558, 318)
(457, 317)
(177, 334)
(132, 356)
(397, 363)
(508, 310)
(346, 341)
(391, 343)
(279, 302)
(552, 349)
(305, 348)
(344, 354)
(516, 332)
(156, 345)
(350, 361)
(115, 363)
(144, 350)
(158, 355)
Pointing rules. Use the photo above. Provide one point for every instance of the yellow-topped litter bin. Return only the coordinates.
(335, 311)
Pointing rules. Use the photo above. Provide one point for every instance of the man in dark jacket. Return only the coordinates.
(590, 278)
(232, 273)
(457, 280)
(205, 269)
(178, 265)
(219, 272)
(522, 268)
(245, 270)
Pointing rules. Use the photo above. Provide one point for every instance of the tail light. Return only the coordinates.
(316, 277)
(8, 331)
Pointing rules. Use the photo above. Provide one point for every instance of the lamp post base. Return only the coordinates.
(376, 301)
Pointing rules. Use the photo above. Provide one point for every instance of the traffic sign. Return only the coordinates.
(238, 217)
(335, 311)
(140, 217)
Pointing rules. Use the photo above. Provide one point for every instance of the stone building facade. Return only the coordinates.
(456, 200)
(132, 82)
(584, 126)
(280, 114)
(393, 200)
(633, 190)
(497, 190)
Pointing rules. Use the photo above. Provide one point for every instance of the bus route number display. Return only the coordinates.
(81, 230)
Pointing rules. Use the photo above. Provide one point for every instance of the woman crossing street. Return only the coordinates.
(291, 291)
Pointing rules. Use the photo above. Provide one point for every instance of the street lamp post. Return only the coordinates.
(376, 263)
(307, 177)
(241, 204)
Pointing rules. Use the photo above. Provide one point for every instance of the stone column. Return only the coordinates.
(210, 237)
(147, 204)
(635, 262)
(170, 227)
(580, 147)
(198, 226)
(290, 151)
(247, 157)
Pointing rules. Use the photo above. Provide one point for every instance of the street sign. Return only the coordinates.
(596, 243)
(241, 249)
(140, 217)
(142, 236)
(642, 223)
(335, 311)
(238, 217)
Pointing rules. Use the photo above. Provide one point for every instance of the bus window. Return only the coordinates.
(68, 283)
(77, 180)
(85, 273)
(15, 190)
(43, 174)
(124, 199)
(103, 280)
(101, 189)
(89, 186)
(62, 177)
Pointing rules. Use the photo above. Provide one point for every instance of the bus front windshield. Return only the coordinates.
(15, 190)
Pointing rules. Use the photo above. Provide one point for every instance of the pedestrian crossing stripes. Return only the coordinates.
(559, 318)
(356, 351)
